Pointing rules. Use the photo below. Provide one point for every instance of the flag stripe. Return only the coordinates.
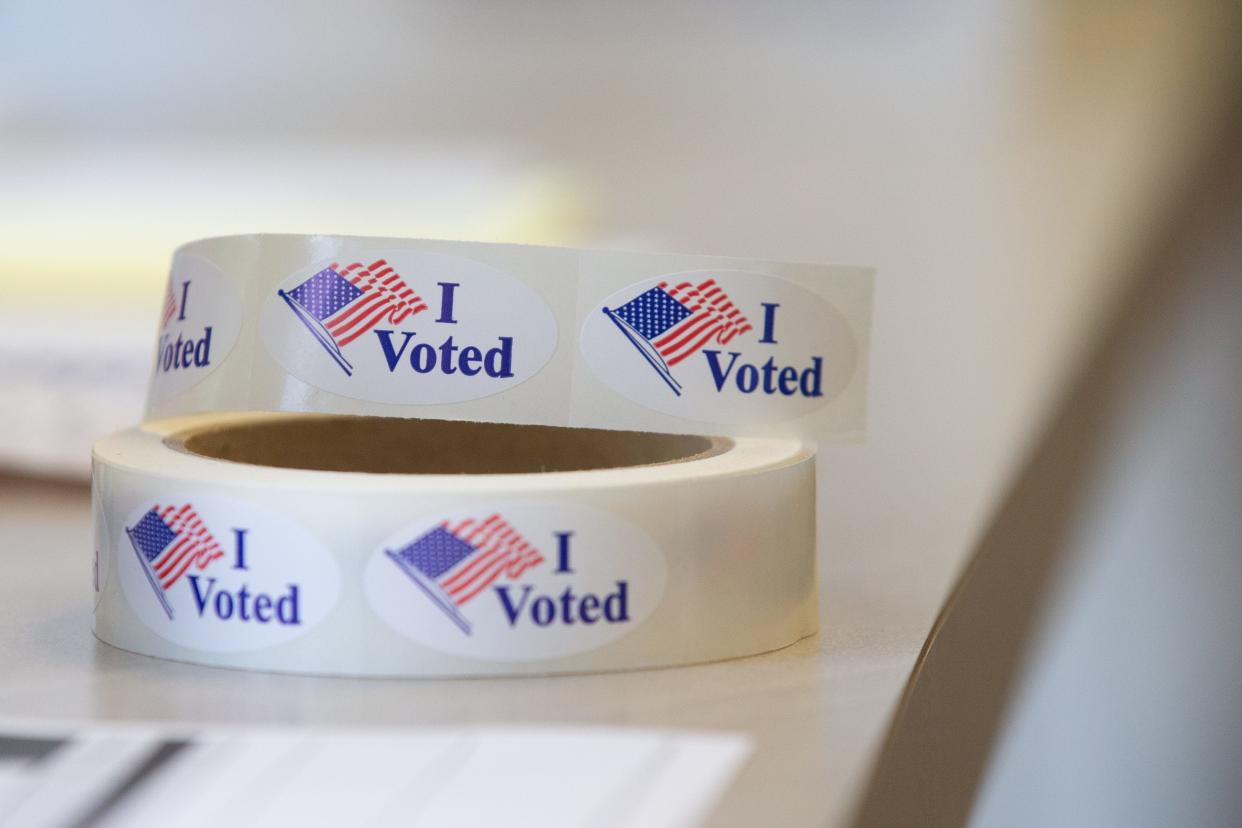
(713, 317)
(344, 339)
(494, 544)
(489, 521)
(385, 295)
(193, 547)
(488, 563)
(192, 544)
(686, 353)
(190, 560)
(171, 555)
(487, 580)
(497, 549)
(351, 313)
(383, 306)
(481, 537)
(465, 593)
(178, 525)
(500, 547)
(510, 556)
(687, 343)
(476, 563)
(685, 331)
(170, 306)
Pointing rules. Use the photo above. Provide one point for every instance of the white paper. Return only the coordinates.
(175, 777)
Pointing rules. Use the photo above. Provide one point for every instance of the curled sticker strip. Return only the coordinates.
(531, 335)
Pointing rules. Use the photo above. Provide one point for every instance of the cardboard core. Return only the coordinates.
(388, 445)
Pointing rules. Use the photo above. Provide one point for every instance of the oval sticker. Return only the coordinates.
(520, 582)
(721, 346)
(408, 327)
(223, 575)
(199, 322)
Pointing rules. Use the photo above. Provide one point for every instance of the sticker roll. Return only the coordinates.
(518, 334)
(376, 546)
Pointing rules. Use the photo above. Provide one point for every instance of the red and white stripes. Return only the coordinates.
(501, 551)
(385, 295)
(170, 307)
(713, 318)
(193, 546)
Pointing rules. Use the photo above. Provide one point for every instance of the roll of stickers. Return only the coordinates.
(388, 457)
(449, 549)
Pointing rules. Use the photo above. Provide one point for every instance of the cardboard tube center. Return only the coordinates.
(388, 445)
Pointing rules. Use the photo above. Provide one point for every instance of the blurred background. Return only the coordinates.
(995, 162)
(1002, 165)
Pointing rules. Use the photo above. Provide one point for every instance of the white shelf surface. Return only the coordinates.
(816, 711)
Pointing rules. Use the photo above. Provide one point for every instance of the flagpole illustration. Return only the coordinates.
(646, 349)
(146, 570)
(433, 592)
(317, 330)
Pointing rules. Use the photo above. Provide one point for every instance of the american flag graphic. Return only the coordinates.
(170, 306)
(339, 304)
(456, 561)
(670, 324)
(168, 541)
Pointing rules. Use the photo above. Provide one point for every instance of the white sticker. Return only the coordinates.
(517, 583)
(199, 322)
(408, 327)
(721, 346)
(222, 575)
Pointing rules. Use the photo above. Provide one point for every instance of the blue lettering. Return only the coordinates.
(811, 382)
(200, 597)
(769, 377)
(562, 552)
(243, 605)
(616, 609)
(543, 610)
(184, 352)
(588, 609)
(788, 380)
(390, 356)
(202, 349)
(713, 362)
(423, 358)
(511, 610)
(287, 607)
(470, 359)
(447, 350)
(567, 608)
(769, 322)
(499, 361)
(239, 546)
(446, 302)
(747, 378)
(448, 357)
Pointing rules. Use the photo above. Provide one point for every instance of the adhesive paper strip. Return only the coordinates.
(232, 540)
(514, 334)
